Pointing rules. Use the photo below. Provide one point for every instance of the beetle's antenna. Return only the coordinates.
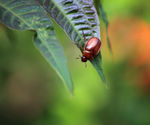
(79, 57)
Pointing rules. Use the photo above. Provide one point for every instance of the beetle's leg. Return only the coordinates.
(81, 48)
(85, 44)
(85, 65)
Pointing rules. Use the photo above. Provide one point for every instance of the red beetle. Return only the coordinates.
(91, 48)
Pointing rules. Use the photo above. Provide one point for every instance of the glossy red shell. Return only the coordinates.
(94, 45)
(92, 48)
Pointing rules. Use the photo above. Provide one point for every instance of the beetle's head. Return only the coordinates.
(83, 59)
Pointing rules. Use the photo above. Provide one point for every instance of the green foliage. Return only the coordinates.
(104, 18)
(29, 14)
(97, 64)
(47, 43)
(103, 15)
(72, 16)
(31, 93)
(23, 14)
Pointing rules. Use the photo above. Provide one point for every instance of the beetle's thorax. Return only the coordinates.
(88, 54)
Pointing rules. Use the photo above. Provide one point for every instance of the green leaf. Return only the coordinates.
(75, 16)
(29, 14)
(104, 18)
(51, 49)
(23, 14)
(97, 65)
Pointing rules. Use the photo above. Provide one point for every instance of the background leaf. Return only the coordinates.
(103, 15)
(74, 16)
(23, 14)
(48, 45)
(29, 14)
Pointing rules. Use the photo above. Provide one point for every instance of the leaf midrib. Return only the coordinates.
(45, 43)
(68, 21)
(25, 22)
(61, 75)
(7, 8)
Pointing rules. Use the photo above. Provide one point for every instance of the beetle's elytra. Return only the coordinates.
(91, 49)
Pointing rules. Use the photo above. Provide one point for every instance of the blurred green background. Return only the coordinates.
(31, 93)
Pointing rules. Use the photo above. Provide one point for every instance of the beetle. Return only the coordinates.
(91, 48)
